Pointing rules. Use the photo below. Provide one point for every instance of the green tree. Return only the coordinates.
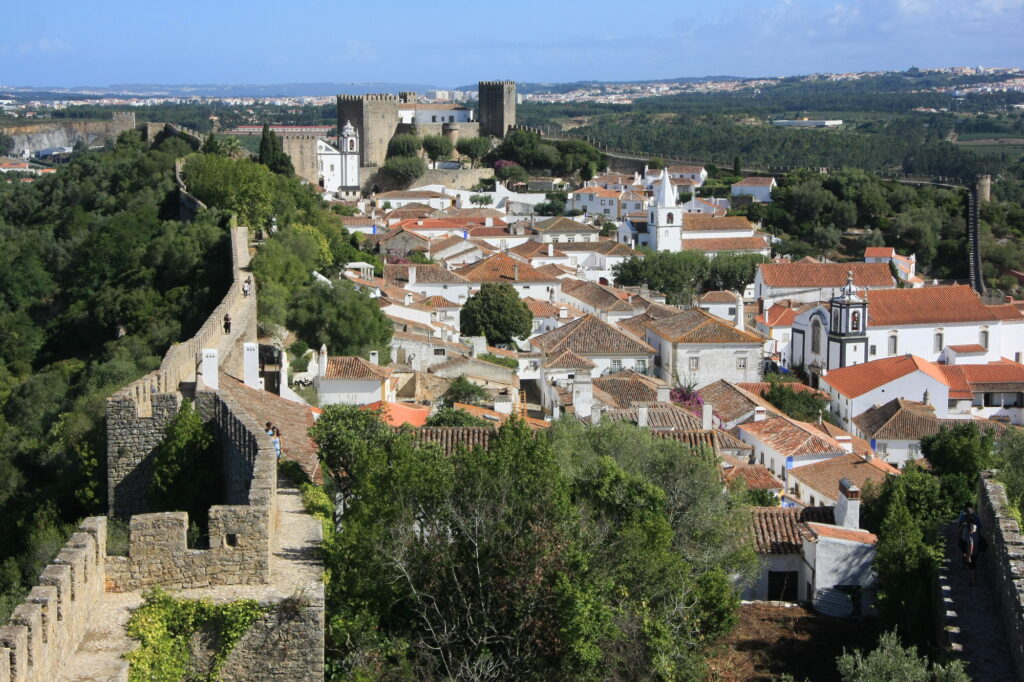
(451, 416)
(957, 454)
(891, 661)
(497, 312)
(404, 169)
(437, 147)
(736, 170)
(240, 186)
(464, 391)
(6, 143)
(474, 147)
(803, 405)
(347, 320)
(211, 145)
(405, 145)
(480, 199)
(272, 153)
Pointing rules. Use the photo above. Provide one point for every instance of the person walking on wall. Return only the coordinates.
(227, 323)
(973, 546)
(277, 441)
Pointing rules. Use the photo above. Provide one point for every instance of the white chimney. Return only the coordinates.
(488, 222)
(641, 416)
(707, 417)
(760, 414)
(845, 442)
(740, 313)
(551, 248)
(412, 275)
(251, 365)
(211, 371)
(408, 298)
(563, 312)
(374, 357)
(503, 404)
(595, 414)
(583, 395)
(848, 505)
(321, 367)
(664, 393)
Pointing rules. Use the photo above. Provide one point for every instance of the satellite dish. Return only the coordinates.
(832, 602)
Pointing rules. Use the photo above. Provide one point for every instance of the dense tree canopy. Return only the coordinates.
(402, 170)
(437, 147)
(561, 556)
(347, 320)
(684, 274)
(272, 153)
(497, 312)
(241, 186)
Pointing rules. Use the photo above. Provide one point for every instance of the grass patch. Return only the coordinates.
(117, 537)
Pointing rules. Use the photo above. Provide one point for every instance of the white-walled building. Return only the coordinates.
(399, 198)
(695, 348)
(352, 380)
(428, 280)
(562, 229)
(723, 304)
(501, 267)
(811, 282)
(906, 266)
(601, 344)
(818, 484)
(339, 167)
(758, 188)
(433, 112)
(782, 443)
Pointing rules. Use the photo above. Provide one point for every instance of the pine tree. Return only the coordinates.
(267, 146)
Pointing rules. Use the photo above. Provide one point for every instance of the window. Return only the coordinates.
(741, 363)
(812, 501)
(607, 211)
(641, 366)
(351, 145)
(616, 365)
(937, 344)
(433, 119)
(914, 449)
(669, 218)
(732, 311)
(694, 364)
(451, 119)
(983, 339)
(855, 321)
(835, 320)
(872, 350)
(231, 540)
(816, 336)
(892, 344)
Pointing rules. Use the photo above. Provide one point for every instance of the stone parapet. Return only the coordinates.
(52, 620)
(1005, 561)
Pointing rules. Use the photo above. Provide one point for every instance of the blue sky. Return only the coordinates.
(444, 43)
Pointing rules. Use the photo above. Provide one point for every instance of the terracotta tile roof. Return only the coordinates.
(693, 170)
(411, 194)
(732, 402)
(539, 308)
(824, 476)
(790, 437)
(351, 367)
(627, 387)
(782, 530)
(1006, 311)
(292, 418)
(755, 243)
(925, 305)
(879, 252)
(589, 335)
(451, 438)
(439, 302)
(694, 439)
(756, 477)
(759, 388)
(502, 267)
(718, 297)
(659, 416)
(398, 275)
(569, 360)
(806, 275)
(841, 533)
(601, 297)
(398, 414)
(702, 222)
(754, 181)
(637, 325)
(1003, 375)
(531, 249)
(856, 380)
(699, 326)
(599, 192)
(959, 387)
(555, 271)
(898, 419)
(603, 246)
(562, 224)
(969, 348)
(860, 446)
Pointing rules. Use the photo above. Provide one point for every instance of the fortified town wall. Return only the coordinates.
(1005, 562)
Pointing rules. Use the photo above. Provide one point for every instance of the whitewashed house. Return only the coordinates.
(758, 188)
(350, 380)
(604, 346)
(504, 268)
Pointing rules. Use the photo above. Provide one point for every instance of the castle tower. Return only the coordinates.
(407, 97)
(497, 101)
(375, 118)
(348, 145)
(848, 331)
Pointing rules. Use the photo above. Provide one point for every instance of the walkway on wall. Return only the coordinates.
(972, 613)
(294, 568)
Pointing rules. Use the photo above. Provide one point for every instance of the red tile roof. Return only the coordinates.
(824, 476)
(898, 419)
(755, 243)
(790, 437)
(699, 326)
(925, 305)
(754, 181)
(702, 222)
(879, 252)
(589, 335)
(841, 533)
(569, 360)
(451, 438)
(627, 387)
(718, 297)
(351, 367)
(397, 414)
(782, 530)
(805, 275)
(856, 380)
(502, 267)
(756, 477)
(969, 348)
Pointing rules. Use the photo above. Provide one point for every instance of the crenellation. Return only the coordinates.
(31, 617)
(15, 638)
(5, 664)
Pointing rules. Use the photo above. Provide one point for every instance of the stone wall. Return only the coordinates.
(497, 107)
(1005, 561)
(138, 413)
(375, 117)
(38, 135)
(240, 532)
(49, 625)
(302, 150)
(188, 205)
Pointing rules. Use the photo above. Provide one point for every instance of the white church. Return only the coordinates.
(661, 228)
(339, 168)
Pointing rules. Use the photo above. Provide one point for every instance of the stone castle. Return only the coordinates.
(262, 543)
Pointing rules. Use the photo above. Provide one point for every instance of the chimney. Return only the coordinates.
(563, 313)
(740, 313)
(595, 414)
(641, 416)
(515, 271)
(848, 505)
(412, 275)
(251, 365)
(408, 298)
(503, 404)
(211, 371)
(664, 393)
(321, 365)
(488, 222)
(551, 249)
(374, 357)
(760, 414)
(583, 395)
(845, 442)
(477, 346)
(707, 417)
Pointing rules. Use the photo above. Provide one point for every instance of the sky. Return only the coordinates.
(444, 43)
